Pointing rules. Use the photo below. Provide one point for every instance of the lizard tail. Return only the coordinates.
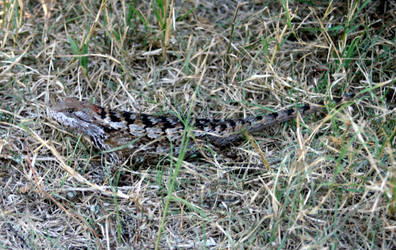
(259, 123)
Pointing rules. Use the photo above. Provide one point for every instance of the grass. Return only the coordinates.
(323, 181)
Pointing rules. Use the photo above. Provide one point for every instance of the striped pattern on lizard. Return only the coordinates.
(140, 133)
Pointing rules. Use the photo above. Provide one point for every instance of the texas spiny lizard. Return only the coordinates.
(143, 133)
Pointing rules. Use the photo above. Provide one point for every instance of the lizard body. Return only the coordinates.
(136, 132)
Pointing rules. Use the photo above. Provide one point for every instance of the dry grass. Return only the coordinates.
(331, 182)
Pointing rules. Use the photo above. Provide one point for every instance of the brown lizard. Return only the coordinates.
(135, 132)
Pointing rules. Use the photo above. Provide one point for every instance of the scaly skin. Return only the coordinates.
(134, 132)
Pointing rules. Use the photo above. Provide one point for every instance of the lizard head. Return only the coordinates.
(72, 112)
(81, 117)
(76, 115)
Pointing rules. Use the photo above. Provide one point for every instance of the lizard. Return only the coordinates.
(109, 130)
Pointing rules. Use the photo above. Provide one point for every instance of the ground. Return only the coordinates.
(321, 181)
